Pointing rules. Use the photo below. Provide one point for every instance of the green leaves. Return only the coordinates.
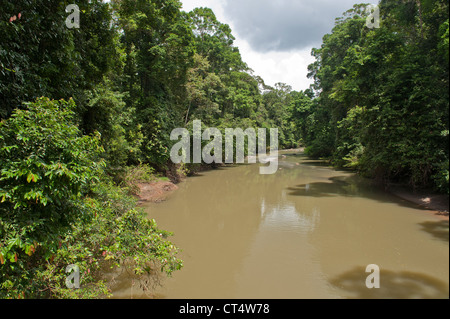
(53, 162)
(46, 167)
(444, 40)
(32, 178)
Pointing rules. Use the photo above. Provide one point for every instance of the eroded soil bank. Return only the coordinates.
(155, 192)
(437, 204)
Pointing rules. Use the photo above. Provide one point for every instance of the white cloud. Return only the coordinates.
(283, 25)
(287, 67)
(290, 67)
(216, 5)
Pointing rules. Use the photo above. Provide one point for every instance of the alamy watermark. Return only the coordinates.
(373, 20)
(73, 279)
(256, 145)
(73, 20)
(373, 280)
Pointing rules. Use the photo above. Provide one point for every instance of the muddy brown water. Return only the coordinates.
(308, 231)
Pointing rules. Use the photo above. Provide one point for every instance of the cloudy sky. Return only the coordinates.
(275, 37)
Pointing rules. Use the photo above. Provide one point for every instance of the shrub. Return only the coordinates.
(57, 207)
(117, 235)
(46, 166)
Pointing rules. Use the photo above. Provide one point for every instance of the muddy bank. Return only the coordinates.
(159, 191)
(437, 204)
(155, 192)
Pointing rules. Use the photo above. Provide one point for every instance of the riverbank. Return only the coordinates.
(155, 192)
(437, 204)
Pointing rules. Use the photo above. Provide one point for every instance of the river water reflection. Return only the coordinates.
(308, 231)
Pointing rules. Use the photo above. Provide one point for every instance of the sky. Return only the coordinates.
(275, 37)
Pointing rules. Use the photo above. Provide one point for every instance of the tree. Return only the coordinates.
(158, 50)
(204, 91)
(36, 53)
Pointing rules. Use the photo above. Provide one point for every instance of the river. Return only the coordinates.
(308, 231)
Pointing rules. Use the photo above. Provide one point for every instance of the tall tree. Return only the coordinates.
(158, 50)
